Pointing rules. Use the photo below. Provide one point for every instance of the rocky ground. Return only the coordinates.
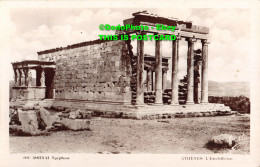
(126, 136)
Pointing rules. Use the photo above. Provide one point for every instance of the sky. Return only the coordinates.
(37, 29)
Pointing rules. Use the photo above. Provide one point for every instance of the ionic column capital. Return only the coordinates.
(191, 39)
(205, 42)
(178, 37)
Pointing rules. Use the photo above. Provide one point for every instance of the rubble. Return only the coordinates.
(48, 118)
(222, 141)
(13, 116)
(29, 122)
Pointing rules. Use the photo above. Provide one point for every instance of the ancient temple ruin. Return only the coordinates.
(106, 77)
(23, 84)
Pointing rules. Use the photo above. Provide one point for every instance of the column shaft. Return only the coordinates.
(149, 79)
(158, 73)
(153, 76)
(164, 79)
(190, 71)
(204, 78)
(197, 83)
(140, 71)
(175, 70)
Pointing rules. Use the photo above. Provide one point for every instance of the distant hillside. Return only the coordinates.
(226, 88)
(229, 88)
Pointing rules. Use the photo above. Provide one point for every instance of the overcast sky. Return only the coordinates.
(37, 29)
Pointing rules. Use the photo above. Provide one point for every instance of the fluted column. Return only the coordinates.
(158, 73)
(190, 71)
(204, 78)
(149, 79)
(140, 71)
(153, 81)
(175, 71)
(198, 83)
(164, 78)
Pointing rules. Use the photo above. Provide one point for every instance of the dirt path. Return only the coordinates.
(173, 136)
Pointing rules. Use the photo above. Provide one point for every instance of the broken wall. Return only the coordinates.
(95, 71)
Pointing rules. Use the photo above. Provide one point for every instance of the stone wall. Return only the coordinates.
(95, 71)
(28, 92)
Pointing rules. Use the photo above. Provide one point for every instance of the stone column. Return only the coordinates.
(42, 80)
(140, 71)
(149, 79)
(153, 76)
(175, 71)
(198, 83)
(164, 78)
(190, 71)
(158, 73)
(204, 78)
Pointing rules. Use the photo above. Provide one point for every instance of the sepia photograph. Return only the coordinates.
(129, 80)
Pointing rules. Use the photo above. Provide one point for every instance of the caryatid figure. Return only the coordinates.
(43, 78)
(22, 78)
(18, 83)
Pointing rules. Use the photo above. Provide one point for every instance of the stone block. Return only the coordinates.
(179, 115)
(75, 124)
(198, 114)
(47, 117)
(29, 122)
(74, 114)
(224, 140)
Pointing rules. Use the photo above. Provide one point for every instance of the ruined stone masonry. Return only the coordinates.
(95, 72)
(107, 78)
